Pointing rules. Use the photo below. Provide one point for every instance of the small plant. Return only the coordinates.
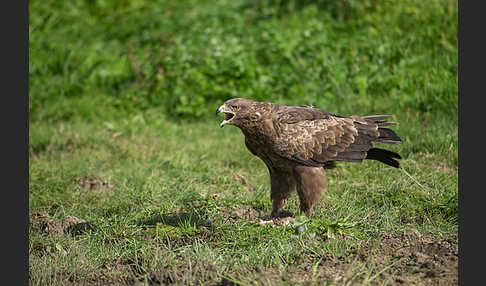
(322, 227)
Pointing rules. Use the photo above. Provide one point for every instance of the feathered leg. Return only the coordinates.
(282, 185)
(311, 182)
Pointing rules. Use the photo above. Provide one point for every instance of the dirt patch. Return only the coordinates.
(198, 273)
(245, 213)
(405, 259)
(43, 222)
(257, 216)
(419, 259)
(111, 273)
(95, 184)
(102, 279)
(330, 268)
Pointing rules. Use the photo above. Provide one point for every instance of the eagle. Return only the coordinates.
(297, 143)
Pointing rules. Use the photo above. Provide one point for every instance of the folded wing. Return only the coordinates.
(313, 137)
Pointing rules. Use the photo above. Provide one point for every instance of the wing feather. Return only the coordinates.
(313, 136)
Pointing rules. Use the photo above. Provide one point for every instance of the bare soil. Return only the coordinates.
(95, 184)
(43, 222)
(406, 259)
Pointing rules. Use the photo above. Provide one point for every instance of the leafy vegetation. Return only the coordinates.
(123, 136)
(99, 58)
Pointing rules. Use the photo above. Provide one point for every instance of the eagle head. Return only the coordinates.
(238, 112)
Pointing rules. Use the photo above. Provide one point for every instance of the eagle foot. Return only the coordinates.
(276, 222)
(281, 214)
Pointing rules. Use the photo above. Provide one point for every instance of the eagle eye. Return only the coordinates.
(235, 107)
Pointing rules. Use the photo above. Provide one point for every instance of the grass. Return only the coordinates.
(166, 175)
(123, 135)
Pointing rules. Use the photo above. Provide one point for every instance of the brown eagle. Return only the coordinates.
(298, 142)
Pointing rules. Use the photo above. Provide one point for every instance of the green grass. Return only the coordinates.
(125, 92)
(165, 175)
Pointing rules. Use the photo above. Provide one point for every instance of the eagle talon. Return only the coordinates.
(265, 222)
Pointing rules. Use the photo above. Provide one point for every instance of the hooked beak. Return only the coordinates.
(220, 109)
(228, 115)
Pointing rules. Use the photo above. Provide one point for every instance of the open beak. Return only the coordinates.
(228, 115)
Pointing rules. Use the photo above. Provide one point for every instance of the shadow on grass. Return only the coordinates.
(174, 219)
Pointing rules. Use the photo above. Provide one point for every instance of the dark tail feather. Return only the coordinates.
(383, 123)
(388, 136)
(384, 156)
(379, 119)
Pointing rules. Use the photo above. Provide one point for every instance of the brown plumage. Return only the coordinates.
(296, 143)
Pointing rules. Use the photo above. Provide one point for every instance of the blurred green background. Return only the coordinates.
(103, 60)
